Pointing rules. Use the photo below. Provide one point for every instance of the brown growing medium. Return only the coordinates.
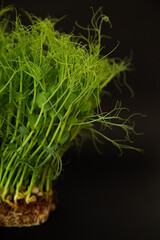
(22, 214)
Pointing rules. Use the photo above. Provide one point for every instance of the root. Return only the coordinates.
(26, 215)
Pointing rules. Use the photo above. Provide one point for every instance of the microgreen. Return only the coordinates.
(51, 85)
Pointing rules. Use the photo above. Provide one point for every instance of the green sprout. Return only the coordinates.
(51, 85)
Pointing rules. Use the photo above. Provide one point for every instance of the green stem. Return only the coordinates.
(9, 178)
(19, 109)
(7, 169)
(31, 145)
(19, 184)
(31, 133)
(15, 179)
(9, 81)
(43, 178)
(41, 145)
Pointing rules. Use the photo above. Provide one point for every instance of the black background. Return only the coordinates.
(107, 196)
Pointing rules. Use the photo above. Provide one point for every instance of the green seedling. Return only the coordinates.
(51, 85)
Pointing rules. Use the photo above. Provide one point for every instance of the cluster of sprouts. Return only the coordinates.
(50, 89)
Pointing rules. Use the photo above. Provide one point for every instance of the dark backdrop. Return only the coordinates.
(107, 196)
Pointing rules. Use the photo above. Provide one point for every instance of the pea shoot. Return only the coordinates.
(51, 84)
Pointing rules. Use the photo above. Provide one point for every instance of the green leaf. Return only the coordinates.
(40, 124)
(86, 107)
(54, 73)
(55, 146)
(64, 137)
(18, 96)
(11, 146)
(51, 89)
(32, 119)
(72, 120)
(49, 150)
(69, 101)
(52, 113)
(40, 99)
(40, 139)
(46, 107)
(23, 130)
